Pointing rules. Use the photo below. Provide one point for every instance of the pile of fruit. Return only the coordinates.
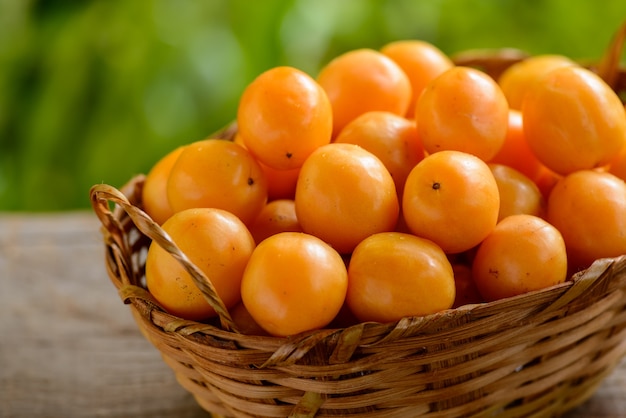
(393, 184)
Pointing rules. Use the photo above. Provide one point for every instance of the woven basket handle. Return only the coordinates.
(102, 194)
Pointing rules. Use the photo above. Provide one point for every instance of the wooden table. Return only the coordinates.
(70, 348)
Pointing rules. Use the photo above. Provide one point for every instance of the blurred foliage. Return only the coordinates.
(97, 91)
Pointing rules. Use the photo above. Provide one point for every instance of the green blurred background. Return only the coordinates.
(97, 91)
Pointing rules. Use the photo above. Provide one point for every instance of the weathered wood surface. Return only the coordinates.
(69, 347)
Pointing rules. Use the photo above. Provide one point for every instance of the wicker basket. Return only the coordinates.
(538, 354)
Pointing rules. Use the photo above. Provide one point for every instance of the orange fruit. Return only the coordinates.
(281, 184)
(421, 61)
(515, 151)
(617, 165)
(573, 120)
(244, 321)
(451, 198)
(218, 243)
(523, 253)
(545, 180)
(362, 80)
(466, 291)
(294, 282)
(277, 216)
(392, 138)
(518, 193)
(344, 194)
(589, 208)
(154, 192)
(284, 115)
(463, 109)
(517, 79)
(392, 275)
(215, 173)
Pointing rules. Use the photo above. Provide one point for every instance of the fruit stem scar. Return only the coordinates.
(250, 181)
(289, 155)
(436, 185)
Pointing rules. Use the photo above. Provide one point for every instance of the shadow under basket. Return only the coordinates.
(538, 354)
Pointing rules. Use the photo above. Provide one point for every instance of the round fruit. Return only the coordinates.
(294, 282)
(244, 321)
(464, 110)
(283, 116)
(617, 166)
(518, 193)
(515, 151)
(451, 198)
(466, 290)
(154, 192)
(344, 194)
(573, 120)
(523, 253)
(392, 138)
(362, 80)
(281, 184)
(421, 61)
(517, 79)
(277, 216)
(545, 180)
(218, 243)
(392, 275)
(589, 208)
(215, 173)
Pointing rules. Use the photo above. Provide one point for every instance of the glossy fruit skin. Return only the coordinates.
(617, 165)
(244, 321)
(215, 173)
(277, 216)
(463, 109)
(451, 198)
(545, 180)
(517, 79)
(154, 192)
(218, 243)
(518, 193)
(391, 138)
(344, 194)
(421, 61)
(466, 291)
(363, 80)
(392, 275)
(523, 253)
(573, 120)
(515, 151)
(294, 282)
(589, 208)
(281, 184)
(284, 115)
